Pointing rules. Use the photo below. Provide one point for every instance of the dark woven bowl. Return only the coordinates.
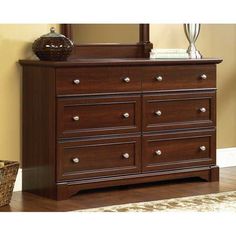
(52, 47)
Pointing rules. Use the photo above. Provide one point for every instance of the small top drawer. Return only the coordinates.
(178, 77)
(96, 80)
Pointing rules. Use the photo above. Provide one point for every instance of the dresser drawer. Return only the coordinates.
(93, 116)
(180, 110)
(178, 150)
(96, 80)
(101, 157)
(178, 77)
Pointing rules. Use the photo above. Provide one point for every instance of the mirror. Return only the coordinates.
(108, 40)
(105, 33)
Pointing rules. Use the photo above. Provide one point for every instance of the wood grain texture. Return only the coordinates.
(103, 115)
(52, 137)
(178, 110)
(178, 77)
(39, 133)
(178, 150)
(138, 50)
(99, 157)
(27, 202)
(121, 62)
(97, 80)
(68, 189)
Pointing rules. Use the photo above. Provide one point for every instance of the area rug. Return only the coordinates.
(225, 201)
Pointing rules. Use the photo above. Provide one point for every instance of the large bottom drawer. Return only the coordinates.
(178, 150)
(96, 158)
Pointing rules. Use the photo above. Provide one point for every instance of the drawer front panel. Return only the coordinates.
(102, 157)
(183, 110)
(179, 150)
(178, 77)
(97, 80)
(92, 116)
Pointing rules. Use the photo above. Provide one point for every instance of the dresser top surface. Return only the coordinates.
(119, 61)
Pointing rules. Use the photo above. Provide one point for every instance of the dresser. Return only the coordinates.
(95, 123)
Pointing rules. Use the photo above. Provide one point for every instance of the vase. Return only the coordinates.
(192, 31)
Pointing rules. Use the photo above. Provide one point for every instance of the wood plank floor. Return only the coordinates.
(125, 194)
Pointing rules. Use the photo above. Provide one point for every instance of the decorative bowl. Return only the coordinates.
(52, 47)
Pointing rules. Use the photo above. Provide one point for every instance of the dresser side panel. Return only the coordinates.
(39, 111)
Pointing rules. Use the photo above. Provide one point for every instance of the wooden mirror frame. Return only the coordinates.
(111, 50)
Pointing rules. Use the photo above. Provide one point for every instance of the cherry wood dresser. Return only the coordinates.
(93, 123)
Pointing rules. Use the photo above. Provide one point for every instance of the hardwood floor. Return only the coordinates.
(125, 194)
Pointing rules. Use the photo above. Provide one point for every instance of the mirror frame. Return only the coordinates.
(111, 50)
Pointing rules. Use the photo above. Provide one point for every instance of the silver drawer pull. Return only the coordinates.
(203, 76)
(126, 115)
(75, 160)
(203, 148)
(158, 152)
(127, 79)
(158, 113)
(76, 81)
(159, 78)
(126, 155)
(203, 109)
(76, 118)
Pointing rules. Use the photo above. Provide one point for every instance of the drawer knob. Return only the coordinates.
(126, 115)
(75, 160)
(76, 81)
(203, 76)
(158, 152)
(203, 148)
(159, 78)
(126, 155)
(127, 79)
(158, 113)
(203, 109)
(76, 118)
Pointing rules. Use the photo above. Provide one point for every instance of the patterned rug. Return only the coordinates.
(225, 201)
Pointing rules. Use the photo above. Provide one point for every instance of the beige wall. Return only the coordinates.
(16, 41)
(216, 40)
(15, 44)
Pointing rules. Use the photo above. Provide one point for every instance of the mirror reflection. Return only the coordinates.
(105, 33)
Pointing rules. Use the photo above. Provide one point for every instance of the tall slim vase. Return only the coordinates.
(192, 31)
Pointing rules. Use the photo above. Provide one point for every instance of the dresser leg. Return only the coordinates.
(214, 174)
(211, 175)
(65, 191)
(62, 192)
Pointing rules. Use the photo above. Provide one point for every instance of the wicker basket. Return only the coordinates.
(7, 180)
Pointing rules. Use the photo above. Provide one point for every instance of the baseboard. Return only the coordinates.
(18, 183)
(226, 157)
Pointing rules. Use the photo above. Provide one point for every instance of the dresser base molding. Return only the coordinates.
(67, 189)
